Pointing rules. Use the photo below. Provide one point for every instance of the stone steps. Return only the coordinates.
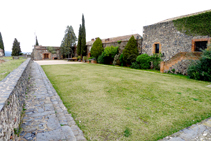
(65, 119)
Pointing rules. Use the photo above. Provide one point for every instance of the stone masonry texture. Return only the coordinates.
(171, 40)
(12, 99)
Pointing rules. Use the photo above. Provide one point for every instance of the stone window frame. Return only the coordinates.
(193, 48)
(153, 47)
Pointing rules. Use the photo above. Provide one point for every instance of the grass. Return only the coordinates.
(116, 103)
(9, 66)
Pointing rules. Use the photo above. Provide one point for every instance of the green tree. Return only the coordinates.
(37, 44)
(131, 51)
(81, 47)
(79, 42)
(16, 50)
(68, 42)
(97, 48)
(83, 37)
(1, 43)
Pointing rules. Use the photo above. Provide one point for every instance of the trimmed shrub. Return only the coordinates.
(109, 54)
(97, 48)
(135, 65)
(116, 59)
(144, 61)
(202, 69)
(131, 51)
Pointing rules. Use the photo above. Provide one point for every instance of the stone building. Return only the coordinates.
(120, 41)
(175, 46)
(1, 52)
(43, 52)
(165, 38)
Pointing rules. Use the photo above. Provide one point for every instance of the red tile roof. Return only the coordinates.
(115, 39)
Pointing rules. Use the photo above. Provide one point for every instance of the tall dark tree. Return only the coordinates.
(37, 44)
(130, 51)
(16, 50)
(81, 47)
(79, 41)
(83, 37)
(1, 43)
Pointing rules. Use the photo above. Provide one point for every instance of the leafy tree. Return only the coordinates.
(131, 51)
(79, 41)
(16, 50)
(97, 48)
(68, 41)
(37, 44)
(1, 43)
(109, 53)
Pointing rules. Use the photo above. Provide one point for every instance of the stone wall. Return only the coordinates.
(171, 41)
(12, 99)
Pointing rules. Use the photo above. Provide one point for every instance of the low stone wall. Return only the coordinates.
(179, 63)
(12, 99)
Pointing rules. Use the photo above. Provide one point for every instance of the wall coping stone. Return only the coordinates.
(8, 84)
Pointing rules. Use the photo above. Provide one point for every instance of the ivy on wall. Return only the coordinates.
(195, 25)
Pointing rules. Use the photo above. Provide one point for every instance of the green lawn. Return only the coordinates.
(9, 65)
(116, 103)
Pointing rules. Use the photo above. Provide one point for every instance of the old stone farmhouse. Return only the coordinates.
(177, 48)
(42, 52)
(120, 41)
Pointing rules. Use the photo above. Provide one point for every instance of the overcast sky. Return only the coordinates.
(22, 19)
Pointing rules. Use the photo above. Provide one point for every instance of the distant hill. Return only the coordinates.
(8, 53)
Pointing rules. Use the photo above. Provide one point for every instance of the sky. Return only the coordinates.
(48, 19)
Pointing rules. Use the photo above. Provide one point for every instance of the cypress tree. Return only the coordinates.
(1, 43)
(79, 41)
(37, 44)
(83, 37)
(16, 50)
(131, 51)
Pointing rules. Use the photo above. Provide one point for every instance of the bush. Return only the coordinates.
(101, 58)
(116, 59)
(144, 61)
(156, 59)
(135, 65)
(79, 57)
(201, 70)
(131, 51)
(110, 51)
(97, 48)
(122, 62)
(84, 58)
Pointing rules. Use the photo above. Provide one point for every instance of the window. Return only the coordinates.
(156, 48)
(201, 45)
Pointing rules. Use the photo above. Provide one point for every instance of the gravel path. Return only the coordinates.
(46, 118)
